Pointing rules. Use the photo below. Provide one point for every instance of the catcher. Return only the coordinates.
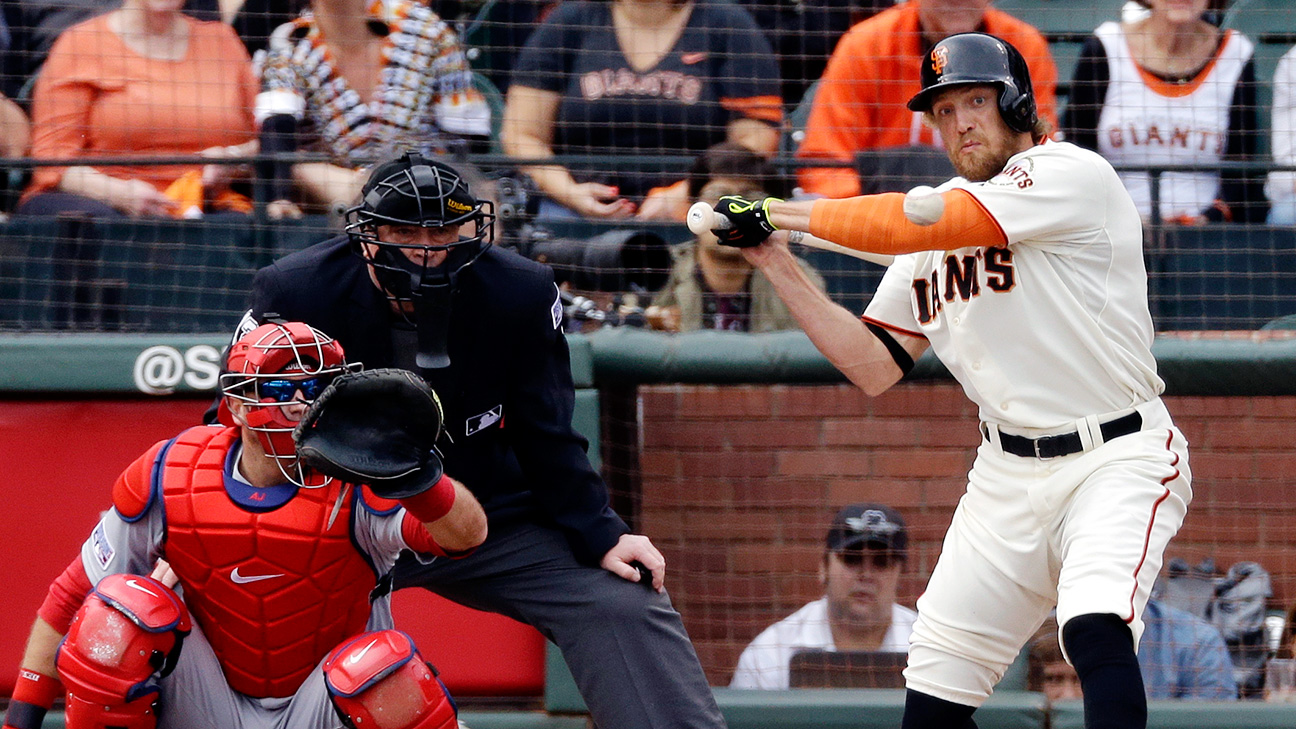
(281, 614)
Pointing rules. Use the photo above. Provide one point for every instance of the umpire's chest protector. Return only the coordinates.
(273, 591)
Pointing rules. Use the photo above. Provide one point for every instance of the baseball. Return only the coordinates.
(923, 205)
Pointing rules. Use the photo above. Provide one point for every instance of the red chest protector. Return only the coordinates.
(273, 591)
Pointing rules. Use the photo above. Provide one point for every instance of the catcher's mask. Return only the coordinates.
(266, 370)
(412, 190)
(977, 58)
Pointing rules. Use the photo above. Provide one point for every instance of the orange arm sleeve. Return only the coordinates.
(876, 223)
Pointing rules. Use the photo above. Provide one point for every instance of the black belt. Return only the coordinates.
(1064, 444)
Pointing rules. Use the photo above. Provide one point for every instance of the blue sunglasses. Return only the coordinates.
(285, 390)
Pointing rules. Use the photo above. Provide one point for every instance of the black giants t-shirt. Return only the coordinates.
(721, 68)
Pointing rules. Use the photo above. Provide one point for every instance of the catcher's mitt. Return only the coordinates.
(379, 428)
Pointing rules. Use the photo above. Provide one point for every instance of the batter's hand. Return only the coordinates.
(634, 547)
(766, 253)
(750, 219)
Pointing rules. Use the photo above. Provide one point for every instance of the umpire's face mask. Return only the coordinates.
(420, 277)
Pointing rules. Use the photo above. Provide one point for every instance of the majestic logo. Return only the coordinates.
(939, 57)
(245, 579)
(354, 658)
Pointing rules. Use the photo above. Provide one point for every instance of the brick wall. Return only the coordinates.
(738, 484)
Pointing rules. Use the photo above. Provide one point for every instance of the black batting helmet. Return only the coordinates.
(415, 190)
(978, 58)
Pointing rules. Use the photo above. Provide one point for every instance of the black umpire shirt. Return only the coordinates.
(508, 394)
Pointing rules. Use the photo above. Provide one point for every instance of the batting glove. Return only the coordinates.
(750, 219)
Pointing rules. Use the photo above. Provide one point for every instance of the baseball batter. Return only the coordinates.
(1031, 289)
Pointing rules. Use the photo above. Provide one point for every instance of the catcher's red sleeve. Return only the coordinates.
(418, 539)
(65, 597)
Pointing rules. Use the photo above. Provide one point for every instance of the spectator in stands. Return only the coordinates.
(859, 103)
(396, 78)
(142, 81)
(34, 25)
(867, 549)
(712, 286)
(1183, 656)
(1281, 187)
(1171, 88)
(1048, 671)
(637, 78)
(1180, 656)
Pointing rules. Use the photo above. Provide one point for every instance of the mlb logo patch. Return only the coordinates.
(103, 551)
(478, 423)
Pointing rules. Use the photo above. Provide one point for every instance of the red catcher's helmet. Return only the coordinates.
(279, 351)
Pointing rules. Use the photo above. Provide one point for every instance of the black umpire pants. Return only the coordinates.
(626, 646)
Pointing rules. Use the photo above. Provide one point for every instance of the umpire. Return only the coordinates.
(416, 283)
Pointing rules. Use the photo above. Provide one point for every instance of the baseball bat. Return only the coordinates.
(703, 217)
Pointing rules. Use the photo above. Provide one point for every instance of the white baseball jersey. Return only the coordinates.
(764, 662)
(1049, 335)
(1053, 327)
(1146, 121)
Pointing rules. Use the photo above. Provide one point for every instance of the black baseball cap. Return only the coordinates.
(875, 525)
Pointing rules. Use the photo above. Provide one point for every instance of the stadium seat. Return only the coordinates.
(32, 297)
(174, 276)
(1058, 18)
(288, 236)
(1262, 19)
(1222, 277)
(848, 281)
(900, 169)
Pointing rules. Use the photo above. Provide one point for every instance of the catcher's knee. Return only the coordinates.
(126, 636)
(379, 679)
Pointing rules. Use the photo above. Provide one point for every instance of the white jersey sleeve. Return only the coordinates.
(1055, 325)
(891, 306)
(379, 537)
(1049, 197)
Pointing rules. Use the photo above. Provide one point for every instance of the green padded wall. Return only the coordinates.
(1193, 715)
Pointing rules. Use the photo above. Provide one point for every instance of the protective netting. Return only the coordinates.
(164, 117)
